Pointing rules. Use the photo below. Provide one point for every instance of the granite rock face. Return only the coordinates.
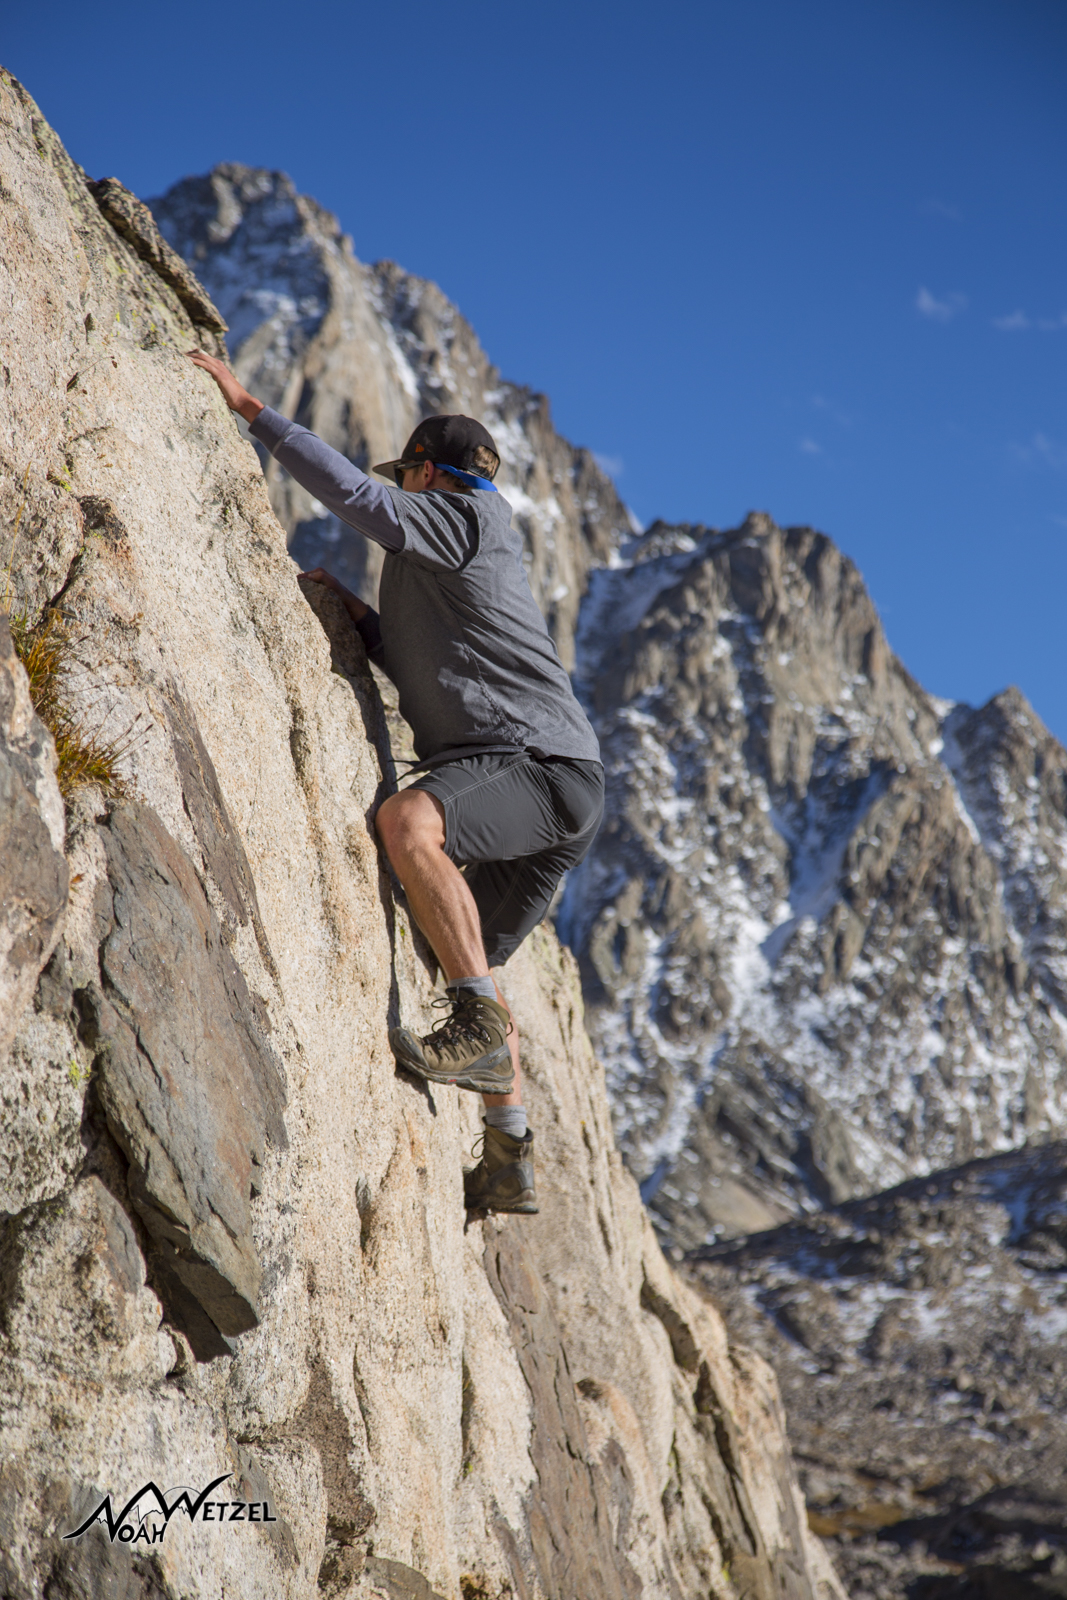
(40, 1106)
(130, 217)
(359, 354)
(232, 1246)
(33, 869)
(822, 930)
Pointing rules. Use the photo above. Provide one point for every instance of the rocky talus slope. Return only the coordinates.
(231, 1239)
(359, 354)
(823, 932)
(919, 1338)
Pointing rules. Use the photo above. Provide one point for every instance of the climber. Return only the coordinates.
(509, 789)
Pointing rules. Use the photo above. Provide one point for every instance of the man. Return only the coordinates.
(510, 789)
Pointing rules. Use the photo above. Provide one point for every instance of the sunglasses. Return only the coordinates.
(402, 467)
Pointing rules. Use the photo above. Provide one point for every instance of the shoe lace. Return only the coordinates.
(459, 1024)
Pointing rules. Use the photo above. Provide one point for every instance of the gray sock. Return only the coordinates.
(509, 1119)
(483, 986)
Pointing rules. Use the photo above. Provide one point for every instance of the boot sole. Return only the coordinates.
(476, 1076)
(522, 1208)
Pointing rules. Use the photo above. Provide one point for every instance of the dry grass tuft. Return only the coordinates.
(84, 756)
(476, 1589)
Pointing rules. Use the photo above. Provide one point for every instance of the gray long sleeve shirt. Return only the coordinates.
(462, 636)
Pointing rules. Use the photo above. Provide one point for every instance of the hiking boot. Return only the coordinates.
(503, 1180)
(468, 1048)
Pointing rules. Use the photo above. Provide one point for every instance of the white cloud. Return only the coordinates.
(821, 403)
(810, 447)
(1041, 452)
(612, 465)
(1019, 322)
(940, 310)
(938, 208)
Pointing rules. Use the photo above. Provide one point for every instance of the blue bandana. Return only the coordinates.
(467, 477)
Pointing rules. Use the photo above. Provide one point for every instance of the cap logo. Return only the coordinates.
(419, 448)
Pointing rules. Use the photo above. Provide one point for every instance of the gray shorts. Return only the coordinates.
(515, 823)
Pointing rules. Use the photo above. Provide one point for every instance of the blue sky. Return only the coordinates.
(803, 256)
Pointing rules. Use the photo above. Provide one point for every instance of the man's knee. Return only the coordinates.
(410, 820)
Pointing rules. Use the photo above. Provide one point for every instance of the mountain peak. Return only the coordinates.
(360, 354)
(820, 929)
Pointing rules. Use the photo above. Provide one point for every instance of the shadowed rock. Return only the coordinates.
(132, 219)
(191, 1089)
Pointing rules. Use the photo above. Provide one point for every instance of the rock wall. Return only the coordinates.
(360, 354)
(232, 1244)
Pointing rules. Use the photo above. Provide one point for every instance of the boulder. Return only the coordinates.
(190, 1088)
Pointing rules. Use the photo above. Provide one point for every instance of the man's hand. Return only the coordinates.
(327, 579)
(352, 603)
(234, 394)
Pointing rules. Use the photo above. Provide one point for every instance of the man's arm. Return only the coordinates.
(367, 621)
(325, 473)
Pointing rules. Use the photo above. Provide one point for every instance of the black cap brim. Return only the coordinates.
(385, 469)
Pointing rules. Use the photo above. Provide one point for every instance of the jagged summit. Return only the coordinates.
(359, 353)
(259, 248)
(822, 932)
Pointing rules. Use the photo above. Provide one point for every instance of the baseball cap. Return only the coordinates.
(449, 442)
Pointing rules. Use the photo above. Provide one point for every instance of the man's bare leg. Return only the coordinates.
(411, 825)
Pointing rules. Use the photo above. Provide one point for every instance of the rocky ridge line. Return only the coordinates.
(359, 354)
(822, 931)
